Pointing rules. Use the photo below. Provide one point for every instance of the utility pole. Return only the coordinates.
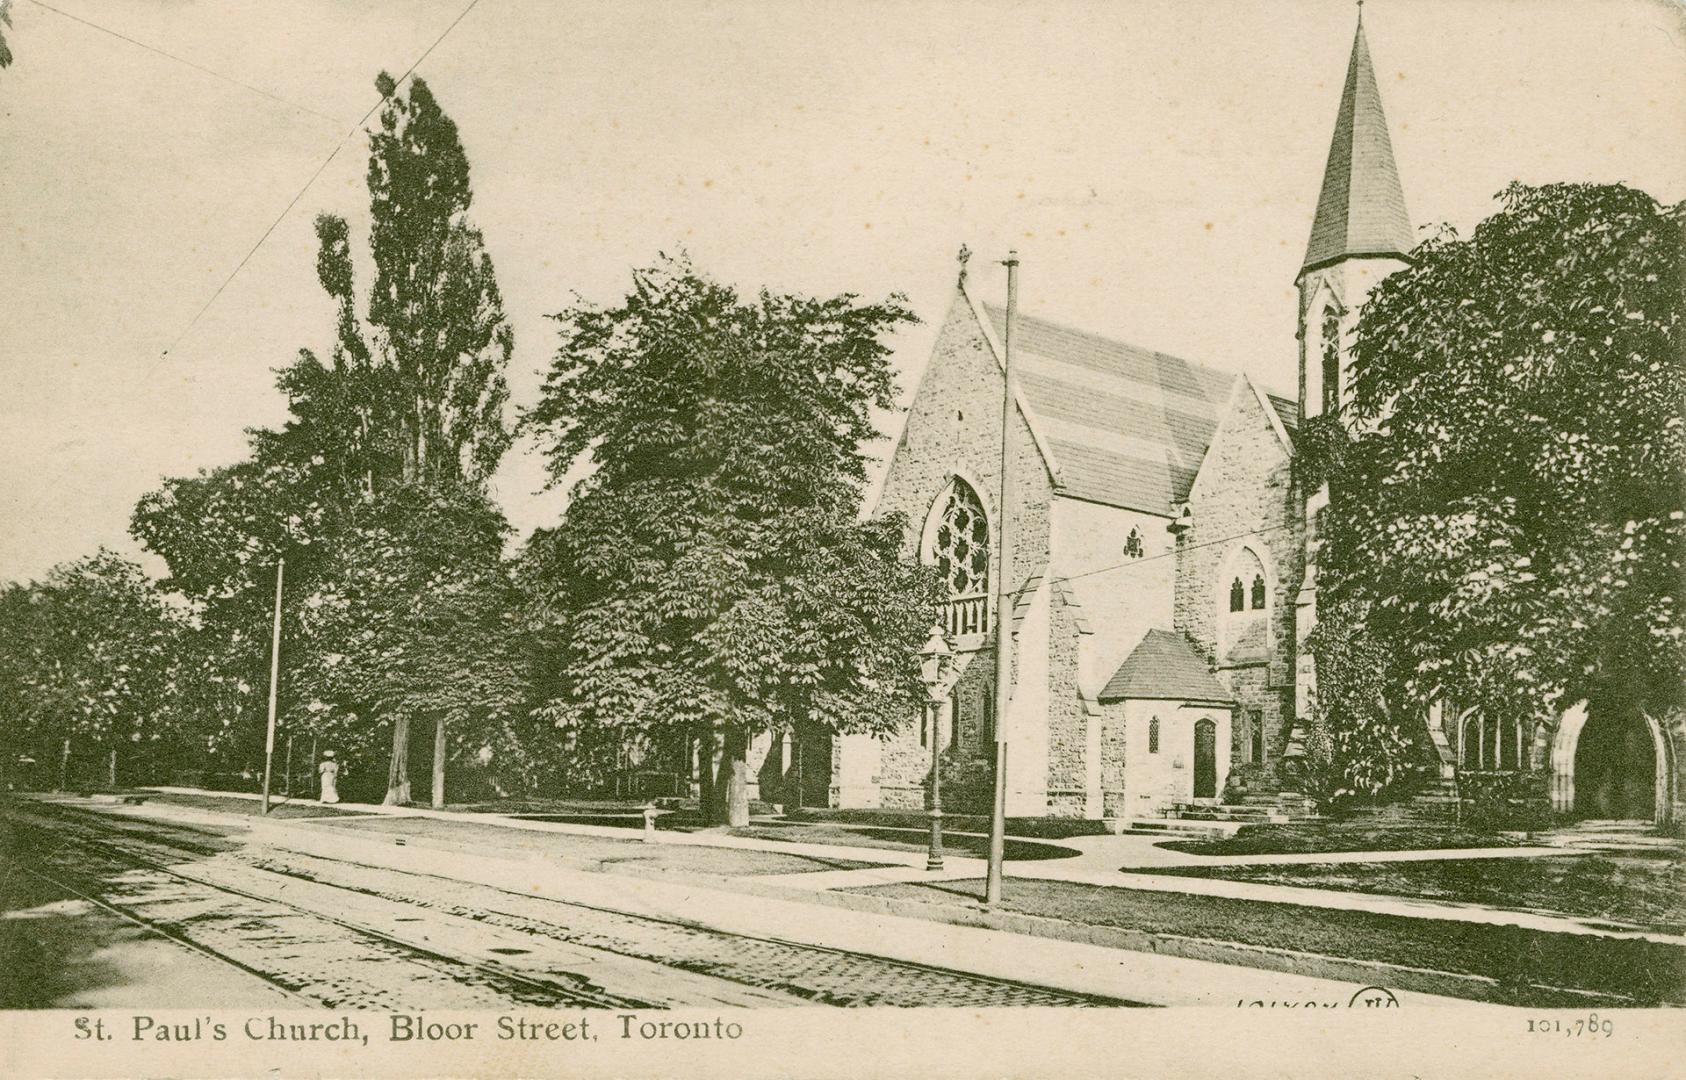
(274, 679)
(1003, 598)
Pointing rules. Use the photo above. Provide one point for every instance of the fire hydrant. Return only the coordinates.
(650, 823)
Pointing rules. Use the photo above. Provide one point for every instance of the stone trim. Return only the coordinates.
(1068, 596)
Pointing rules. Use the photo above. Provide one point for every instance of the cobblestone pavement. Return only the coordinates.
(344, 935)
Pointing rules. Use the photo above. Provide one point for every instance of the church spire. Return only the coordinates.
(1361, 210)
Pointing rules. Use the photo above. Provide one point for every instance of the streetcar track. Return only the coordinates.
(694, 927)
(547, 991)
(720, 954)
(518, 922)
(170, 935)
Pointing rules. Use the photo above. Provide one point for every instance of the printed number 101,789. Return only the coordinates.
(1589, 1026)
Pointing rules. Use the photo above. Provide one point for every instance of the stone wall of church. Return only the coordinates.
(954, 428)
(1244, 497)
(1121, 590)
(1068, 722)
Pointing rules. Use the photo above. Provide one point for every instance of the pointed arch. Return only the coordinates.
(1319, 302)
(958, 539)
(1329, 359)
(1244, 599)
(1566, 742)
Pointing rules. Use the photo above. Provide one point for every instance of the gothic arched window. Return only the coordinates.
(1258, 597)
(1331, 346)
(1133, 544)
(1490, 746)
(1153, 735)
(1469, 739)
(960, 548)
(1237, 596)
(1512, 739)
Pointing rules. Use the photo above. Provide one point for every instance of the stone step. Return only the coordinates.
(1182, 830)
(1245, 814)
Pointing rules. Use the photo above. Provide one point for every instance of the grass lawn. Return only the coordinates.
(1643, 888)
(1651, 974)
(1317, 836)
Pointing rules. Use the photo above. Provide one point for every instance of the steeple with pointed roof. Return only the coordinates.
(1361, 210)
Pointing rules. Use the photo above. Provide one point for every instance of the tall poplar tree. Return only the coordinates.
(414, 392)
(403, 419)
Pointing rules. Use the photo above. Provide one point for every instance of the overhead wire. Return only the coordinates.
(215, 74)
(320, 169)
(1169, 554)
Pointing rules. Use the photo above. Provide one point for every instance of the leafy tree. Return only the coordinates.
(5, 20)
(87, 657)
(1506, 523)
(709, 579)
(222, 534)
(406, 412)
(415, 617)
(414, 392)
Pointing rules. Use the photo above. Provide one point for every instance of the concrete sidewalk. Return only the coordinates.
(1096, 868)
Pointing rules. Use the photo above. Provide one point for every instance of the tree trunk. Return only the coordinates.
(439, 761)
(398, 769)
(732, 783)
(111, 769)
(706, 802)
(64, 767)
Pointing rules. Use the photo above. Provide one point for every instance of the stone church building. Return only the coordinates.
(1164, 554)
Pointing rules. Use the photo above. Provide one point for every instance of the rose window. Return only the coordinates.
(960, 549)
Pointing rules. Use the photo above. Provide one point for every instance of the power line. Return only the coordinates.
(1170, 554)
(183, 60)
(320, 169)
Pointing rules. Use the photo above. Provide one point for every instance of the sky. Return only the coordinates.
(1155, 164)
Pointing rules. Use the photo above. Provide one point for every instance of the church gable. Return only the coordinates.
(1239, 565)
(953, 424)
(1252, 441)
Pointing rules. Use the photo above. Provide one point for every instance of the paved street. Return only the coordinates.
(389, 908)
(334, 933)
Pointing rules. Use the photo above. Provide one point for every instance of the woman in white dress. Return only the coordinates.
(330, 770)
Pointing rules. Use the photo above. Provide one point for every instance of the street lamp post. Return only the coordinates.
(935, 659)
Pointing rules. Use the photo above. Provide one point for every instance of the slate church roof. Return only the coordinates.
(1361, 209)
(1127, 426)
(1165, 667)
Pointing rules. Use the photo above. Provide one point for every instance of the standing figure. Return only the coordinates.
(330, 770)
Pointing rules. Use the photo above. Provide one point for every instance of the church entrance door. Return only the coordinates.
(1205, 758)
(1615, 766)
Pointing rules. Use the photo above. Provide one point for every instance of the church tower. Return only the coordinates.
(1359, 236)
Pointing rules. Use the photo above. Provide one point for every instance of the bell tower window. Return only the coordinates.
(1330, 343)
